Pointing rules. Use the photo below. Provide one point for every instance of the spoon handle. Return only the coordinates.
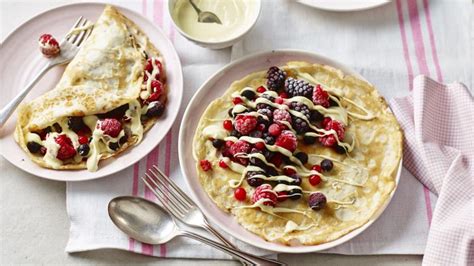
(198, 11)
(240, 255)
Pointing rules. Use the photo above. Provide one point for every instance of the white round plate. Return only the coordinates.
(21, 59)
(344, 5)
(215, 87)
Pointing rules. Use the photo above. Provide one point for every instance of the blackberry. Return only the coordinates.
(123, 139)
(300, 125)
(298, 87)
(316, 116)
(117, 113)
(33, 147)
(218, 143)
(75, 123)
(309, 139)
(302, 156)
(276, 78)
(267, 112)
(270, 140)
(339, 149)
(155, 109)
(113, 146)
(268, 97)
(254, 181)
(249, 94)
(256, 134)
(302, 108)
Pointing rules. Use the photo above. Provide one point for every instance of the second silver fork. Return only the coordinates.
(179, 204)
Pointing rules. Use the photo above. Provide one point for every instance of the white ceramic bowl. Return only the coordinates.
(221, 43)
(213, 88)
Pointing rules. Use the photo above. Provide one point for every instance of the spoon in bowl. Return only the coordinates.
(147, 222)
(205, 16)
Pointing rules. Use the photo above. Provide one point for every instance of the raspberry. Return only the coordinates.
(66, 150)
(302, 108)
(289, 171)
(227, 124)
(326, 120)
(261, 89)
(205, 165)
(297, 87)
(222, 164)
(321, 97)
(260, 145)
(314, 180)
(244, 124)
(149, 67)
(287, 140)
(153, 97)
(110, 126)
(240, 147)
(265, 192)
(83, 139)
(240, 194)
(337, 126)
(283, 95)
(279, 100)
(317, 201)
(49, 46)
(280, 115)
(276, 159)
(282, 196)
(276, 78)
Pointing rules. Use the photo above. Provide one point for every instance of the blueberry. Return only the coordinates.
(302, 156)
(83, 149)
(113, 146)
(327, 165)
(123, 139)
(255, 182)
(156, 109)
(75, 123)
(249, 94)
(339, 149)
(217, 143)
(33, 147)
(309, 139)
(235, 133)
(295, 194)
(317, 201)
(316, 116)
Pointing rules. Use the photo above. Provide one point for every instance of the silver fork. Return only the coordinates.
(181, 206)
(69, 47)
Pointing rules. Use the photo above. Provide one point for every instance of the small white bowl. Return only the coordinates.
(220, 43)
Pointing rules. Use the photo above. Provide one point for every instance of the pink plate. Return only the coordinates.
(21, 59)
(215, 87)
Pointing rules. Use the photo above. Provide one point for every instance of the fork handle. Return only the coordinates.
(6, 111)
(213, 231)
(240, 255)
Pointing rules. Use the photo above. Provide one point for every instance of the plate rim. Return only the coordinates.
(179, 86)
(325, 8)
(208, 214)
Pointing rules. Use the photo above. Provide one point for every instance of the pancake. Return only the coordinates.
(341, 171)
(115, 76)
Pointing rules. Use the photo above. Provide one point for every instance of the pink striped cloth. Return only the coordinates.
(438, 124)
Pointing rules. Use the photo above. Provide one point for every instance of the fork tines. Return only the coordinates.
(79, 32)
(168, 193)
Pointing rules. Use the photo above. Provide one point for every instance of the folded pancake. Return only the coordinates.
(109, 95)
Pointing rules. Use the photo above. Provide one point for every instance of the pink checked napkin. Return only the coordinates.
(438, 123)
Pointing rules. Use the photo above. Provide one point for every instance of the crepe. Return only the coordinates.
(360, 183)
(107, 77)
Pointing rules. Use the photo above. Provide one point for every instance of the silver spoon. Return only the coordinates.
(147, 222)
(205, 16)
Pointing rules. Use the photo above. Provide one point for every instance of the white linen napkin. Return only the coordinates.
(376, 43)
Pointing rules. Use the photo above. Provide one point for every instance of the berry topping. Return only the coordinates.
(274, 130)
(260, 145)
(316, 116)
(83, 139)
(75, 123)
(314, 180)
(222, 164)
(114, 146)
(268, 139)
(287, 140)
(327, 165)
(218, 143)
(300, 125)
(66, 150)
(266, 112)
(254, 182)
(244, 124)
(110, 126)
(302, 156)
(83, 150)
(320, 97)
(205, 165)
(283, 95)
(298, 87)
(240, 147)
(237, 100)
(240, 194)
(309, 139)
(316, 168)
(282, 196)
(150, 66)
(256, 134)
(339, 149)
(227, 124)
(295, 194)
(280, 116)
(33, 147)
(155, 109)
(276, 159)
(296, 180)
(276, 78)
(335, 125)
(49, 46)
(279, 100)
(265, 192)
(156, 86)
(154, 96)
(302, 108)
(249, 94)
(289, 171)
(317, 201)
(261, 89)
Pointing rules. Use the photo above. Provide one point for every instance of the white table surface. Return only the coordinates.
(33, 220)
